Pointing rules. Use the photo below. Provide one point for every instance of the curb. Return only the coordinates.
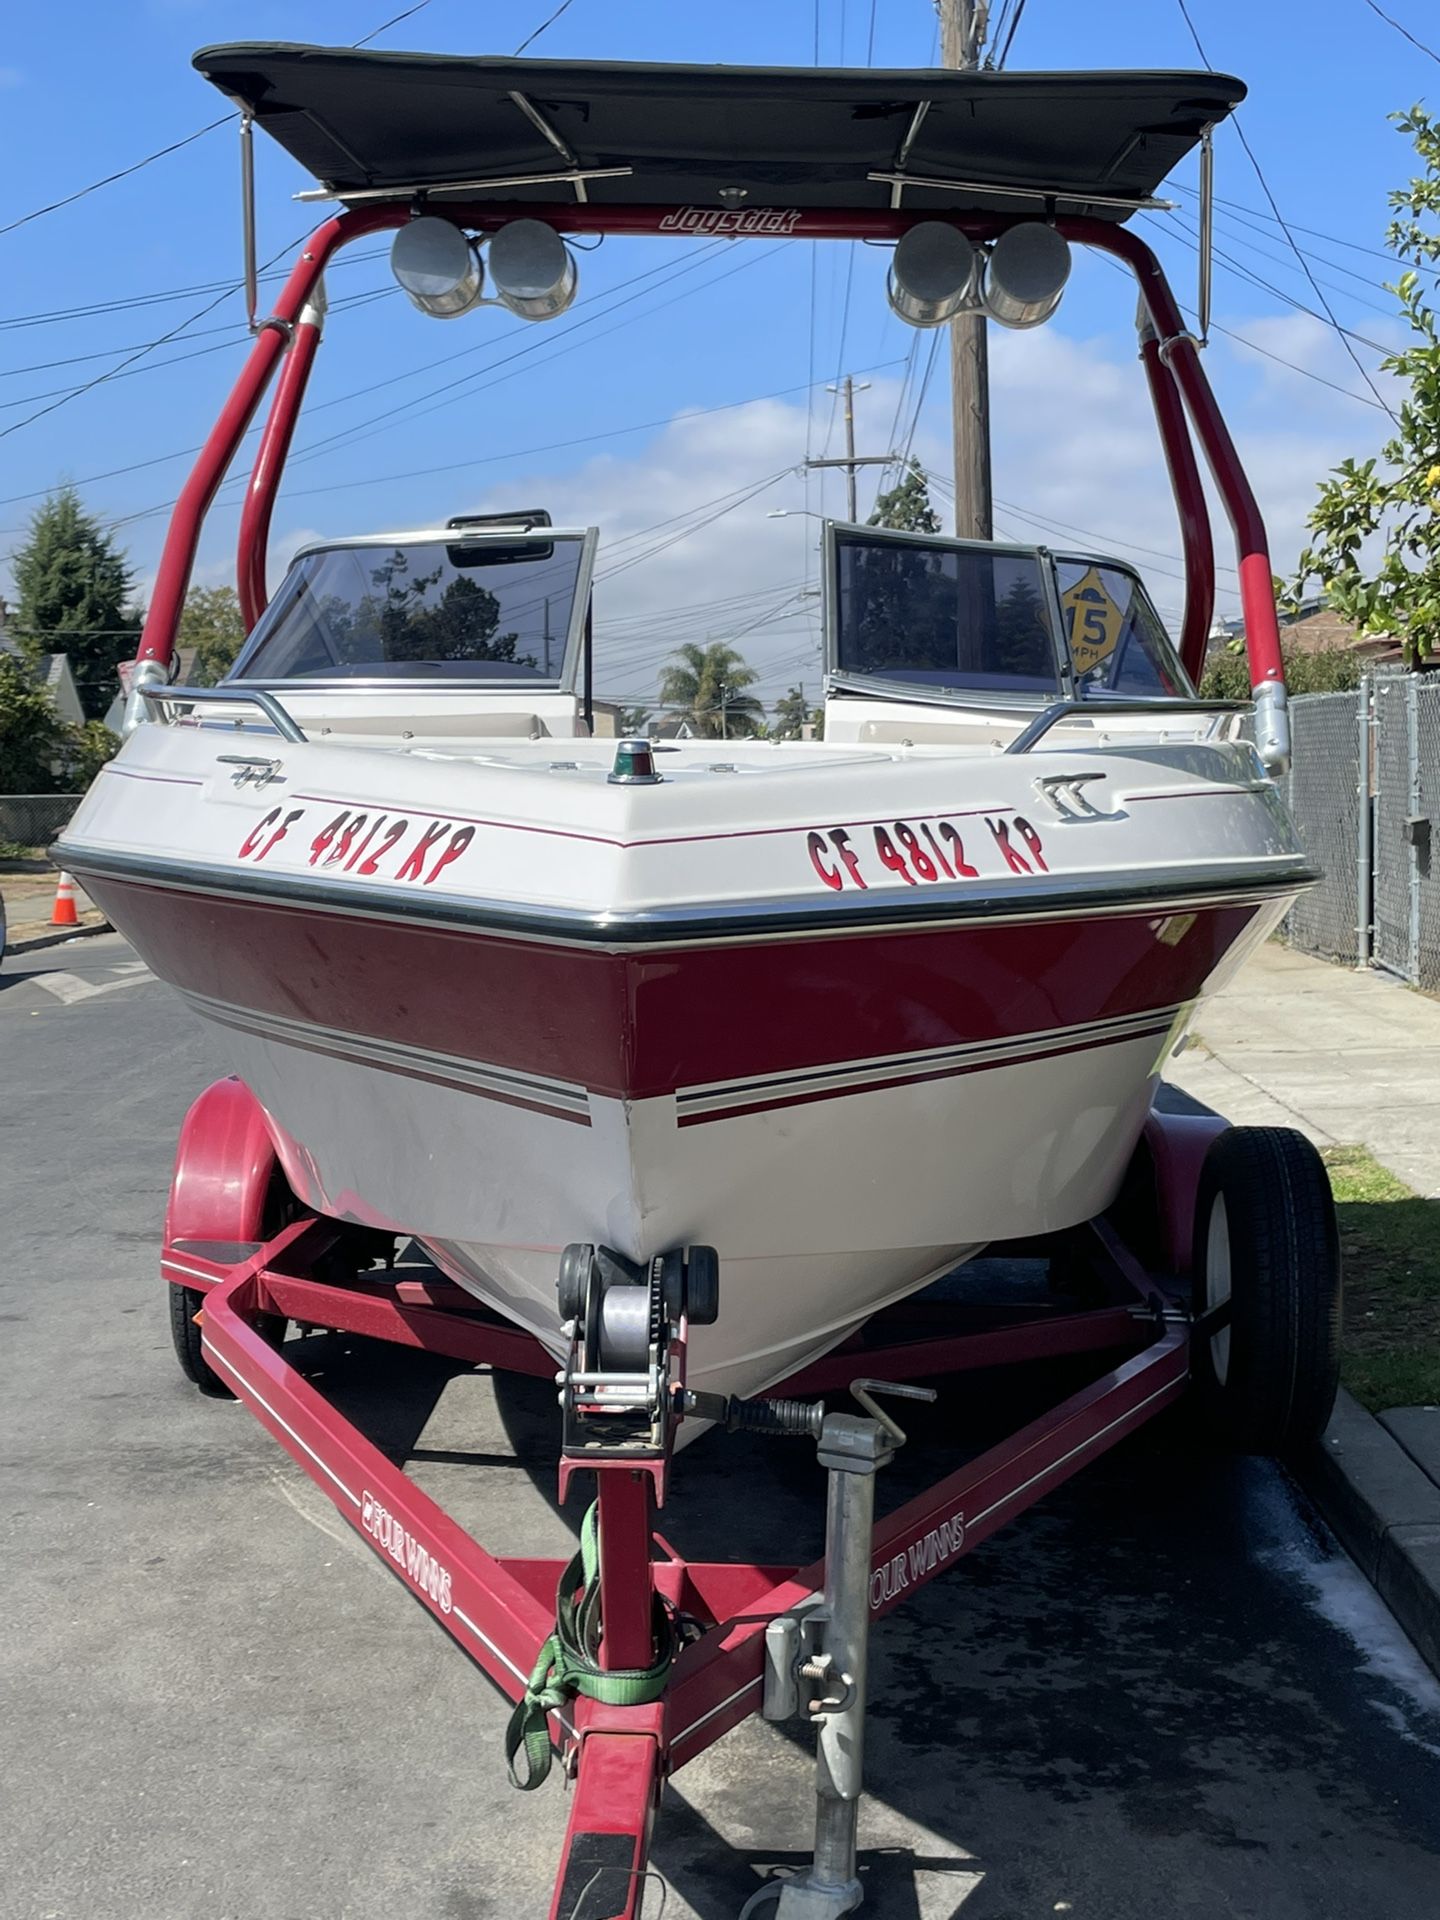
(1385, 1511)
(56, 939)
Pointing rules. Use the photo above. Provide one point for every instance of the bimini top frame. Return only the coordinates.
(798, 203)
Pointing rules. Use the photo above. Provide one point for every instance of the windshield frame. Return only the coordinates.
(875, 685)
(575, 633)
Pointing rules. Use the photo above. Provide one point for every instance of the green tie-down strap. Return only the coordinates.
(567, 1663)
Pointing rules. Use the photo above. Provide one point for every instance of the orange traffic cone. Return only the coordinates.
(64, 914)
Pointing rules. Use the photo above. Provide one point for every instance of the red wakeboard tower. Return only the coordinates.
(652, 1657)
(846, 154)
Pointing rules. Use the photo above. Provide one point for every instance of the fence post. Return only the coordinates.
(1412, 865)
(1365, 826)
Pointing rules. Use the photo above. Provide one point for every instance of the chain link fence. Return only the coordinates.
(1426, 697)
(35, 819)
(1365, 808)
(1393, 942)
(1322, 791)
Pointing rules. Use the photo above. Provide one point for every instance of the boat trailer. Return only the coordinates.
(663, 1655)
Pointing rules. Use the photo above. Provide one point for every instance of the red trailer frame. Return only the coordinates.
(500, 1609)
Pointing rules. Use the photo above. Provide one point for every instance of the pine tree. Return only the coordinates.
(75, 592)
(906, 508)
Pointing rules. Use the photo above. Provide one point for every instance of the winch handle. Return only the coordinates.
(865, 1390)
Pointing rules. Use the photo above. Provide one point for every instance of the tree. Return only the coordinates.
(1394, 494)
(793, 714)
(709, 684)
(213, 624)
(75, 592)
(907, 508)
(634, 720)
(1323, 670)
(34, 740)
(89, 748)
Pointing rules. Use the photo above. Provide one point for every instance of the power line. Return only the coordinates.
(563, 7)
(1403, 31)
(1253, 346)
(1004, 53)
(109, 180)
(1280, 222)
(385, 26)
(112, 373)
(175, 146)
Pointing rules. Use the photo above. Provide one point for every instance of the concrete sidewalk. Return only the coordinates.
(29, 898)
(1349, 1058)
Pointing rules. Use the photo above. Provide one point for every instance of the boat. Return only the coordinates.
(847, 1010)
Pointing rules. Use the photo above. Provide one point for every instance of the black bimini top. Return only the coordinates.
(376, 124)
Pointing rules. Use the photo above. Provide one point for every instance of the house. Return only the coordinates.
(1316, 628)
(52, 671)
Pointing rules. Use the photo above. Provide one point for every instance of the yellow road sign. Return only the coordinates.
(1093, 620)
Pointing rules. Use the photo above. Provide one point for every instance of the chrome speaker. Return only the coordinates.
(532, 270)
(438, 267)
(934, 274)
(1025, 275)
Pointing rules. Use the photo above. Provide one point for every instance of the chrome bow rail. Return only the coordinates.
(265, 703)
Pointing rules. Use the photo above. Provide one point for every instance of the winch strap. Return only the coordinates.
(567, 1663)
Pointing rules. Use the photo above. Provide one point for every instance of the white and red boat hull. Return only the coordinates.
(843, 1109)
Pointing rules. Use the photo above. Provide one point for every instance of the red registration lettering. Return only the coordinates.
(372, 864)
(414, 865)
(815, 842)
(459, 841)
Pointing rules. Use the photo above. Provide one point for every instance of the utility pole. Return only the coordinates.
(962, 34)
(852, 460)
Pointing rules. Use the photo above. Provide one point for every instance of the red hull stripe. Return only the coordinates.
(638, 1025)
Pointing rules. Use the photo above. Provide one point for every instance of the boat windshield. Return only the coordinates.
(426, 607)
(942, 615)
(956, 616)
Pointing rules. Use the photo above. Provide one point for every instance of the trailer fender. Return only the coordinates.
(225, 1167)
(1177, 1144)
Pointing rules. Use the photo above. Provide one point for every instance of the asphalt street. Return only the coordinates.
(1164, 1692)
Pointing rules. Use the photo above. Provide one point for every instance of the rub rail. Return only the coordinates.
(265, 703)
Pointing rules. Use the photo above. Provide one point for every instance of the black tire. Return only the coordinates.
(1265, 1232)
(185, 1303)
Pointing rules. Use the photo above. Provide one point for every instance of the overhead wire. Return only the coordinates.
(112, 373)
(1360, 367)
(1403, 31)
(175, 146)
(1004, 53)
(564, 7)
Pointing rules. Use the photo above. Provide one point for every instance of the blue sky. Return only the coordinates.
(650, 422)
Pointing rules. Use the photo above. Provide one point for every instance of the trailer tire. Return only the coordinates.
(1266, 1243)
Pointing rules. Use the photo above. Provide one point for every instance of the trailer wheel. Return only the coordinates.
(1267, 1291)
